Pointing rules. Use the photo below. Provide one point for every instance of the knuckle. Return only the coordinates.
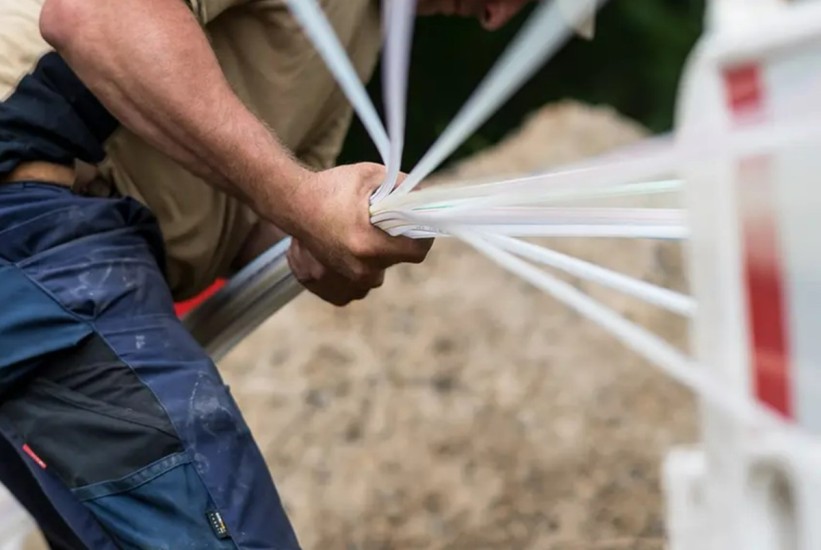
(372, 169)
(359, 247)
(360, 272)
(318, 271)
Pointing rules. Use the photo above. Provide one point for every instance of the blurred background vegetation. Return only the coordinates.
(633, 64)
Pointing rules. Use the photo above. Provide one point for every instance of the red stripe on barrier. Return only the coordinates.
(761, 263)
(745, 95)
(762, 266)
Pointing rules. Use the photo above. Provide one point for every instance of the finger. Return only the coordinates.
(373, 278)
(338, 290)
(328, 295)
(372, 175)
(402, 250)
(303, 264)
(296, 265)
(425, 244)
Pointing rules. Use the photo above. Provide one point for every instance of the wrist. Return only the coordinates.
(286, 197)
(269, 179)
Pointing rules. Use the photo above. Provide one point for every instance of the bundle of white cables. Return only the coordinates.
(496, 217)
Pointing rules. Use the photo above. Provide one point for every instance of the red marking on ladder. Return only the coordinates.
(33, 456)
(762, 263)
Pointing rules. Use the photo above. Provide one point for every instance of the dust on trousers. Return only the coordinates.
(116, 431)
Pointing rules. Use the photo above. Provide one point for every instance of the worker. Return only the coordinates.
(148, 147)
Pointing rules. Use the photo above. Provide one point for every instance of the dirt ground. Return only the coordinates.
(460, 408)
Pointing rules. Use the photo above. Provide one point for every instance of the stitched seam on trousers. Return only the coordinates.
(49, 214)
(185, 442)
(133, 480)
(92, 410)
(49, 252)
(53, 298)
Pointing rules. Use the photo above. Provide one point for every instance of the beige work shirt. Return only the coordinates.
(273, 68)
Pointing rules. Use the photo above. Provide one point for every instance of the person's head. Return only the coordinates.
(491, 13)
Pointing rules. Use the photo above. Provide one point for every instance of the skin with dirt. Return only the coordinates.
(460, 408)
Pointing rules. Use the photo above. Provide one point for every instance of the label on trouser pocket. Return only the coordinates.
(217, 524)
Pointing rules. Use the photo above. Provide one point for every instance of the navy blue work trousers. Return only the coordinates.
(116, 430)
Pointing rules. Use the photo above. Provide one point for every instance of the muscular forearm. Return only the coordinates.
(150, 64)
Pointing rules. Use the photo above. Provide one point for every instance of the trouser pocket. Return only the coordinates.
(90, 420)
(89, 417)
(84, 440)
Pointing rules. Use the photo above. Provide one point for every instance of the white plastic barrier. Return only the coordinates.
(756, 275)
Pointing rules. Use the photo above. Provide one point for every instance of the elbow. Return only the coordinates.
(61, 21)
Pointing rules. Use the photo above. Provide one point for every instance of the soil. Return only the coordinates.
(460, 408)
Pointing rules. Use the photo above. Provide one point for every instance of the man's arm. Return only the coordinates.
(150, 64)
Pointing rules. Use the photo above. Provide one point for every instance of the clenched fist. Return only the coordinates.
(334, 226)
(330, 285)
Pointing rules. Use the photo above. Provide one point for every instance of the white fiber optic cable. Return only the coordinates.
(540, 215)
(659, 159)
(663, 355)
(322, 34)
(454, 197)
(545, 31)
(418, 229)
(660, 162)
(668, 299)
(398, 28)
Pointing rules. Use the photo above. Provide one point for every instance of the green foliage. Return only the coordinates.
(633, 64)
